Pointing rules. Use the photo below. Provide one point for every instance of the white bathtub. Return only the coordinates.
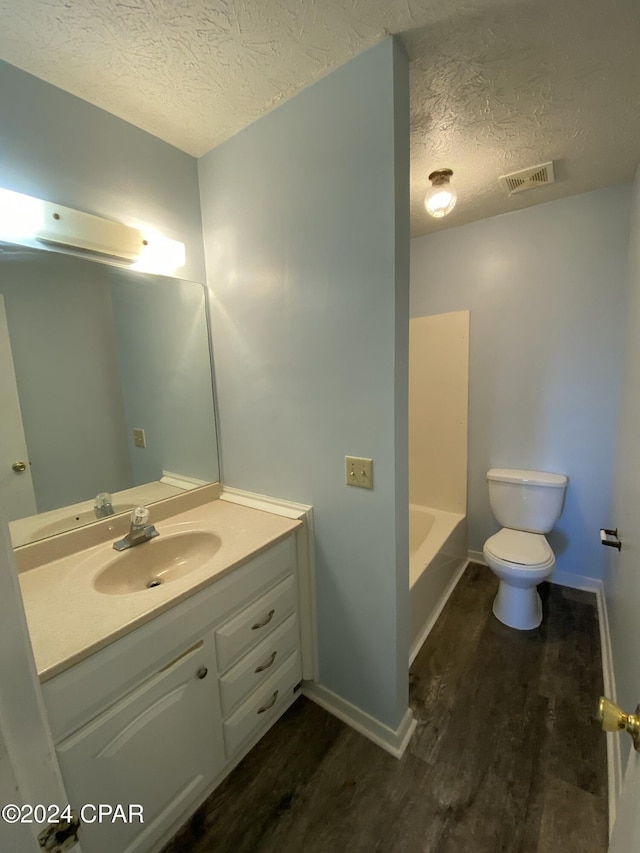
(437, 559)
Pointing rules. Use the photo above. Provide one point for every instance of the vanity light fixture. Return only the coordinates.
(28, 221)
(64, 226)
(441, 198)
(25, 219)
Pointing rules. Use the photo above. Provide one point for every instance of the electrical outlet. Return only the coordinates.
(359, 472)
(139, 438)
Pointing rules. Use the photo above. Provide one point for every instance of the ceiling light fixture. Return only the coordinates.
(441, 198)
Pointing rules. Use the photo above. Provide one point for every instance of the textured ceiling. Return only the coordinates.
(497, 85)
(509, 88)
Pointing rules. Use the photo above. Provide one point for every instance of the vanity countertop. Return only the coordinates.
(69, 619)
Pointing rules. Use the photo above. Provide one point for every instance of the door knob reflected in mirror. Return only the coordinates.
(19, 467)
(614, 719)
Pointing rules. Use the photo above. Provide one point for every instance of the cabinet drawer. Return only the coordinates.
(263, 706)
(258, 665)
(254, 622)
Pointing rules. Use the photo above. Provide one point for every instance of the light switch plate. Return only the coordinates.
(359, 471)
(139, 438)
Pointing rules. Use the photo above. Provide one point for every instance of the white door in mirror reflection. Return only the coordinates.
(16, 485)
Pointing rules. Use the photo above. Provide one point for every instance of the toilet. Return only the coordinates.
(527, 504)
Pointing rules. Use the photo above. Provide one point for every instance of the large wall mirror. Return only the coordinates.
(105, 387)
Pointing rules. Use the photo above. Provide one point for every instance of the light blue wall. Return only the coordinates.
(305, 219)
(57, 147)
(546, 288)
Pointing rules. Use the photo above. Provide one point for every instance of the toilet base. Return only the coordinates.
(518, 607)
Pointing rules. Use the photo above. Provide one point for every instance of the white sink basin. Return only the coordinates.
(156, 562)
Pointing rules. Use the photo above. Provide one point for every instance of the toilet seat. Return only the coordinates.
(520, 549)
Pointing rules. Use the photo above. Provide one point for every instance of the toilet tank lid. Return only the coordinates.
(534, 478)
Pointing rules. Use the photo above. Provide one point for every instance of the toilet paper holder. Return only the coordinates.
(610, 538)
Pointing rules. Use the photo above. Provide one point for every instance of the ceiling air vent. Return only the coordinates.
(528, 179)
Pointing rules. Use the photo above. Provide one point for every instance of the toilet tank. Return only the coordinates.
(526, 500)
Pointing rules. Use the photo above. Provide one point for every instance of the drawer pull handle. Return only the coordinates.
(269, 705)
(202, 672)
(267, 664)
(264, 622)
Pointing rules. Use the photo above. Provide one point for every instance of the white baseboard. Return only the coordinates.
(394, 741)
(476, 557)
(584, 582)
(415, 648)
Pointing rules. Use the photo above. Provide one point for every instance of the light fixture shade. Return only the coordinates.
(442, 197)
(74, 229)
(30, 221)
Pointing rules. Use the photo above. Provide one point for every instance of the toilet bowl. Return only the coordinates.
(521, 561)
(528, 504)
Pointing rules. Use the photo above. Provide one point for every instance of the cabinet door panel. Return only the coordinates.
(159, 748)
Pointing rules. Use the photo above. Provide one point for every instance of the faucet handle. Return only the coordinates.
(140, 516)
(102, 500)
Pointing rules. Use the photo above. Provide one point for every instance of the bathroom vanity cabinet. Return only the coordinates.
(161, 715)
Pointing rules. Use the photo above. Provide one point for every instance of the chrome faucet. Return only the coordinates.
(102, 505)
(139, 531)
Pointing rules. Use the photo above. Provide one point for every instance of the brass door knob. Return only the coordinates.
(19, 467)
(614, 719)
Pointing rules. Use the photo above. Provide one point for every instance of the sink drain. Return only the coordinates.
(154, 582)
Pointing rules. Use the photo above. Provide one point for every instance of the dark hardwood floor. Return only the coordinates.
(506, 755)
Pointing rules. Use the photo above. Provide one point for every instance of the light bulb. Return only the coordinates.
(441, 198)
(21, 216)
